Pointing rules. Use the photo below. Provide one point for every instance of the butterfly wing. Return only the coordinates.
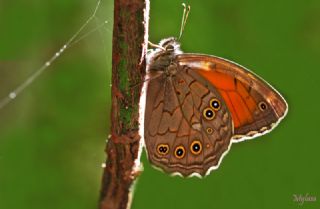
(183, 133)
(255, 106)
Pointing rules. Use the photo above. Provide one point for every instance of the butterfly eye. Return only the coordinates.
(208, 113)
(179, 152)
(262, 106)
(163, 149)
(215, 104)
(196, 147)
(170, 47)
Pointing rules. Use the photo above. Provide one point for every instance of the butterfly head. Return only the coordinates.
(170, 45)
(160, 58)
(164, 53)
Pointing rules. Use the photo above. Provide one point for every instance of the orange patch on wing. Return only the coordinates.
(236, 121)
(251, 104)
(243, 91)
(235, 94)
(220, 80)
(242, 111)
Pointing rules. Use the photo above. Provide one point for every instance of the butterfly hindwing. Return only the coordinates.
(179, 137)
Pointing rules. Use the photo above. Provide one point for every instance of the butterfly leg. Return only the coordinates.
(155, 45)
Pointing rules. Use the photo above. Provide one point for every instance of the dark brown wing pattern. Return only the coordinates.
(254, 105)
(187, 124)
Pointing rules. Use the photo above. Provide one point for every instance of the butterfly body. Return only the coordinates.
(197, 105)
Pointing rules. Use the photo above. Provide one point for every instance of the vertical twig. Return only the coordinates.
(130, 34)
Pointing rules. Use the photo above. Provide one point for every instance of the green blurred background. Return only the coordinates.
(52, 136)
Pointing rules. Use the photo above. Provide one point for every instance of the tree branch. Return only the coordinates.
(130, 34)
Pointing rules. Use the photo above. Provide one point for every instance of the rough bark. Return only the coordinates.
(128, 68)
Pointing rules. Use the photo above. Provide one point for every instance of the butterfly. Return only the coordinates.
(198, 105)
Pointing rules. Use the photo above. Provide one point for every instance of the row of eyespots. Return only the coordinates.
(209, 112)
(180, 151)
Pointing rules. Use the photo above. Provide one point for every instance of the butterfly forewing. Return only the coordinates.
(255, 106)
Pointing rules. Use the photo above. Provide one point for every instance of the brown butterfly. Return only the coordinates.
(198, 105)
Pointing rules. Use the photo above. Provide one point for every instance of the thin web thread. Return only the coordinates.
(73, 40)
(101, 36)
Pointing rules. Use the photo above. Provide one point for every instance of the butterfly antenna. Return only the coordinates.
(186, 11)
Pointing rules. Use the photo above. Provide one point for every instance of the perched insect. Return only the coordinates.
(198, 105)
